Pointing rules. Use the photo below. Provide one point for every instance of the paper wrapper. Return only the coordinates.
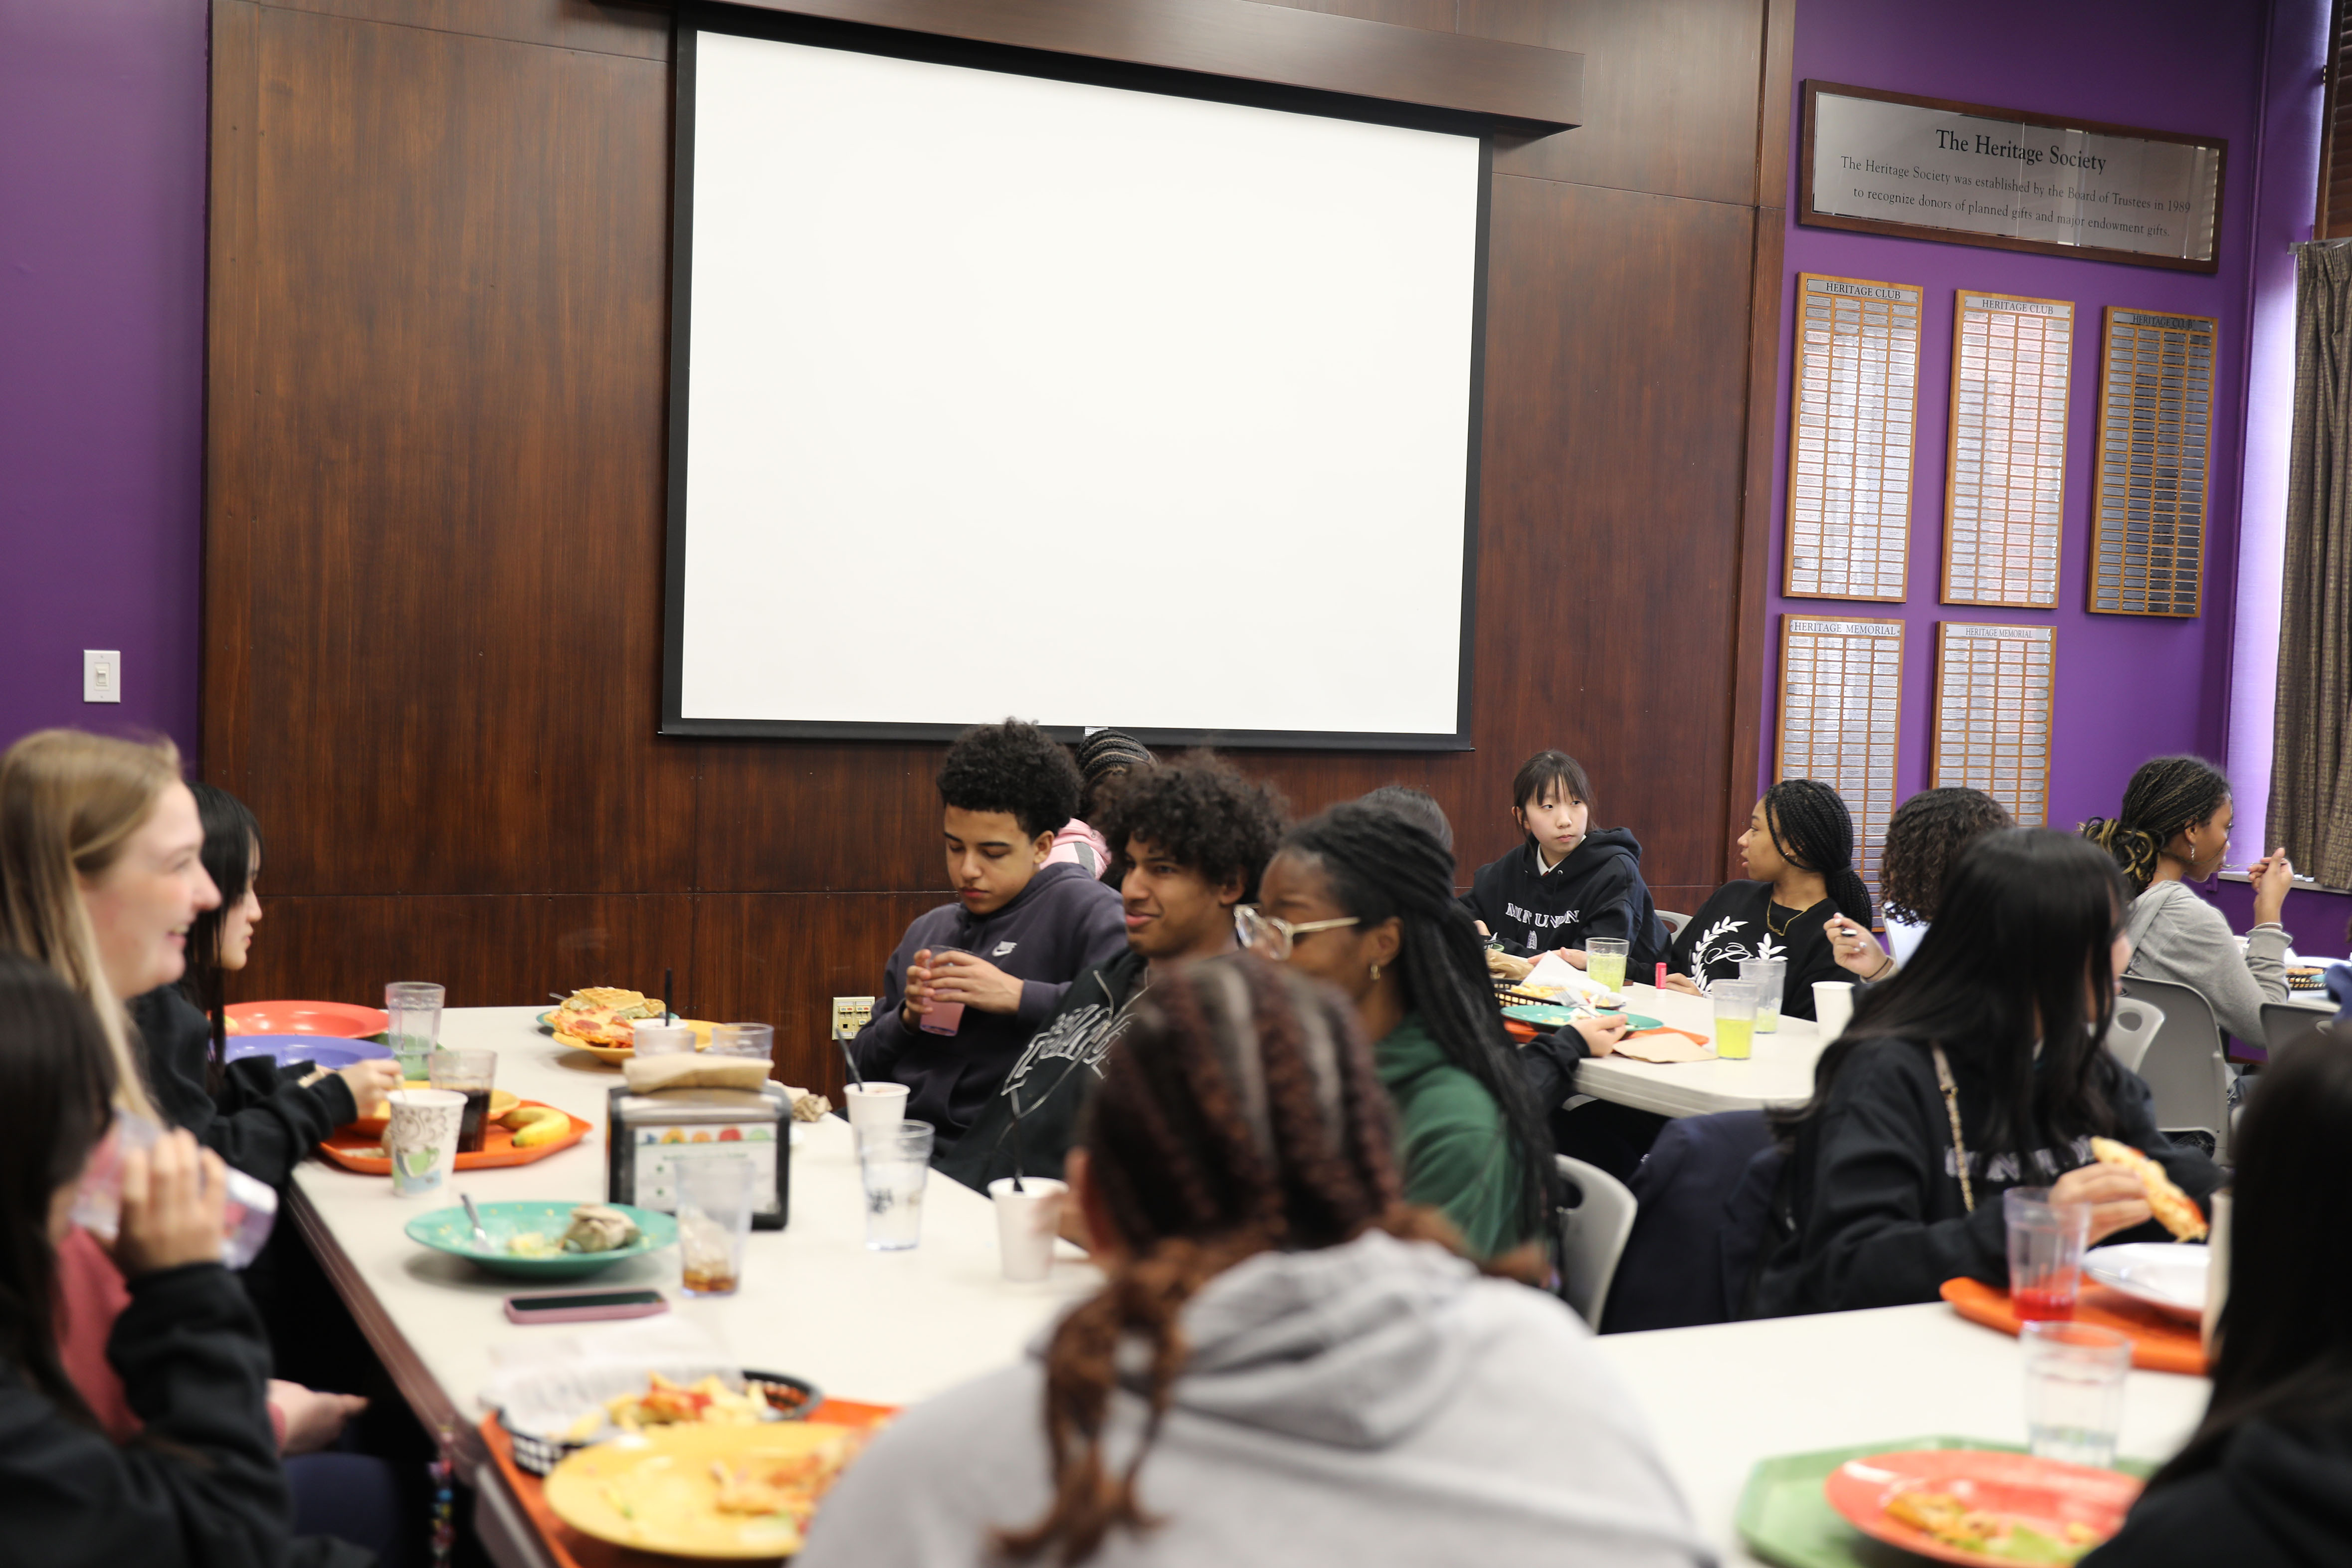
(546, 1385)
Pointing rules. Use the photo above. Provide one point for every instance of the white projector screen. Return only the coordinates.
(995, 393)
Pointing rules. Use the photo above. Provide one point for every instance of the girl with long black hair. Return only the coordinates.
(1982, 1066)
(1799, 853)
(202, 1483)
(2265, 1481)
(1363, 898)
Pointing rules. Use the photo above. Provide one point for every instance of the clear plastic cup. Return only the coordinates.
(252, 1206)
(1832, 1006)
(743, 1040)
(894, 1163)
(473, 1074)
(1027, 1222)
(1604, 961)
(2217, 1268)
(716, 1197)
(421, 1135)
(2075, 1391)
(2045, 1253)
(1769, 976)
(875, 1104)
(412, 1009)
(1735, 1019)
(656, 1039)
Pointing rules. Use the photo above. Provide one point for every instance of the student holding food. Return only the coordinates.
(1799, 850)
(1982, 1066)
(1566, 882)
(1287, 1362)
(971, 980)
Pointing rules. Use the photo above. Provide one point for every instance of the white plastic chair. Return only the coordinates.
(2134, 1030)
(1591, 1236)
(2185, 1069)
(1673, 922)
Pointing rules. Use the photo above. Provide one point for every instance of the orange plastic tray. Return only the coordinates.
(573, 1550)
(2159, 1342)
(356, 1150)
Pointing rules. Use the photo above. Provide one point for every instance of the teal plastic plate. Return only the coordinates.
(1784, 1518)
(449, 1231)
(1550, 1015)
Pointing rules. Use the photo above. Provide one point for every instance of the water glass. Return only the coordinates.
(472, 1073)
(743, 1040)
(1604, 961)
(716, 1196)
(894, 1163)
(1735, 1019)
(2075, 1391)
(414, 1027)
(1768, 975)
(2045, 1253)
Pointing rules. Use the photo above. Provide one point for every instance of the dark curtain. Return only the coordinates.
(2311, 768)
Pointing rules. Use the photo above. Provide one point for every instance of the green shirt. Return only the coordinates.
(1457, 1156)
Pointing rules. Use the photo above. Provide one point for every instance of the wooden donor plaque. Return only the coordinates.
(2006, 493)
(1857, 391)
(1994, 686)
(1841, 714)
(2156, 427)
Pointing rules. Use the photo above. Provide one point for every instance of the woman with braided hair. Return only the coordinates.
(1362, 898)
(2173, 829)
(1798, 852)
(1285, 1365)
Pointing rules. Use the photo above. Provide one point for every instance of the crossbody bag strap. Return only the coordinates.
(1952, 1110)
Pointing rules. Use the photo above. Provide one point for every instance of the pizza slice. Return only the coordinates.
(2175, 1210)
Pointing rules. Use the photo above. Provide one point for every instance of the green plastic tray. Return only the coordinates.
(1785, 1520)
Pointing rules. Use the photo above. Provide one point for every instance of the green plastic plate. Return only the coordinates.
(449, 1231)
(1550, 1015)
(1784, 1518)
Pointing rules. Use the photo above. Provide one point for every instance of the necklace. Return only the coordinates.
(1783, 929)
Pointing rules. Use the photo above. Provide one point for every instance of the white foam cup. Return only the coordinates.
(1832, 1006)
(654, 1038)
(1027, 1224)
(875, 1104)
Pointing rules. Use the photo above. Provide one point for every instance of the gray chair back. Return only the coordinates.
(2134, 1030)
(2283, 1024)
(1675, 921)
(1591, 1236)
(2183, 1065)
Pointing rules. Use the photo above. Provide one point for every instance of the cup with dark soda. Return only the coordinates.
(472, 1073)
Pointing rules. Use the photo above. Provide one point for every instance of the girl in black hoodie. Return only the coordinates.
(1567, 882)
(202, 1483)
(1981, 1067)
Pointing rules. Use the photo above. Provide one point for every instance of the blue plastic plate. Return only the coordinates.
(320, 1050)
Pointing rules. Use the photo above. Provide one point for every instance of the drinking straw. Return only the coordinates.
(1016, 1146)
(852, 1060)
(669, 988)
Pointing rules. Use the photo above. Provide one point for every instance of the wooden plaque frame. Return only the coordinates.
(1866, 843)
(1960, 318)
(1799, 411)
(2109, 412)
(1944, 670)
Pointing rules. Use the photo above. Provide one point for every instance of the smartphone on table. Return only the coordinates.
(586, 1306)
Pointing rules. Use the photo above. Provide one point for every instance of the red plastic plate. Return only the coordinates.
(2041, 1494)
(345, 1020)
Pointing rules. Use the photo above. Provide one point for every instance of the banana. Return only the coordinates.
(545, 1126)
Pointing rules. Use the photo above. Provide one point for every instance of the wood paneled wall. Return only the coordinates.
(434, 506)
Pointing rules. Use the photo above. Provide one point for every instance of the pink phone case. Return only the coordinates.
(582, 1314)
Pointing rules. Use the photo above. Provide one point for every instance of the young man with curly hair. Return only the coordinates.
(971, 981)
(1195, 836)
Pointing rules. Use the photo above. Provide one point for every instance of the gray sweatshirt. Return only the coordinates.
(2177, 936)
(1376, 1403)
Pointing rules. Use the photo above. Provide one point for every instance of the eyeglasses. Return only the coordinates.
(1271, 936)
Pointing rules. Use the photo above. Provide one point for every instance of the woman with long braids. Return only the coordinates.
(1799, 853)
(1283, 1365)
(1980, 1066)
(2174, 830)
(1362, 897)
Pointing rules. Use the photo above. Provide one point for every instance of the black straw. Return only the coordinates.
(850, 1059)
(669, 988)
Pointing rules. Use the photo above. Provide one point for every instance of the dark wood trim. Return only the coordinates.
(232, 333)
(1810, 218)
(1538, 88)
(2329, 73)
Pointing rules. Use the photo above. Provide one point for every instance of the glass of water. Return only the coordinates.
(2074, 1390)
(1768, 975)
(894, 1163)
(413, 1025)
(1604, 961)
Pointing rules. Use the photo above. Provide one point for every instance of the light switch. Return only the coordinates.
(101, 675)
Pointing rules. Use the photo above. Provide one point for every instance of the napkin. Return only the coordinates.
(649, 1075)
(546, 1384)
(1554, 971)
(1665, 1046)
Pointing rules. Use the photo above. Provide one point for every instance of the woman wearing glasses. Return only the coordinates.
(1363, 899)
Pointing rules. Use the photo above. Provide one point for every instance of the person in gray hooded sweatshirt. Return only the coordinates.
(1287, 1363)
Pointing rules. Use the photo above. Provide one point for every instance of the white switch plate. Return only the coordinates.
(851, 1014)
(101, 675)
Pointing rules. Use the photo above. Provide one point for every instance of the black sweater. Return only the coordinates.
(1870, 1201)
(264, 1122)
(1596, 891)
(201, 1485)
(1740, 921)
(2275, 1499)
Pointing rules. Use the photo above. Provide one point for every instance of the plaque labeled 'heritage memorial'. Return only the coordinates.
(2156, 427)
(2006, 490)
(1840, 715)
(1850, 439)
(1994, 686)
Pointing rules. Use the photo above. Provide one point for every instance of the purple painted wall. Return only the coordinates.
(102, 127)
(2128, 687)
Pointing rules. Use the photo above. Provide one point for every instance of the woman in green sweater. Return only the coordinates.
(1363, 899)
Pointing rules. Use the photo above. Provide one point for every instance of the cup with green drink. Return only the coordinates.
(1604, 961)
(1735, 1019)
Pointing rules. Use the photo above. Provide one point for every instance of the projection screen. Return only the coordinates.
(1096, 405)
